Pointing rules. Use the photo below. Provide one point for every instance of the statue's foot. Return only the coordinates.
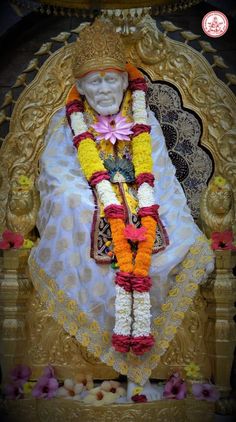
(152, 391)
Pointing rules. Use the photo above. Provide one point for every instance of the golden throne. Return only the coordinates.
(177, 74)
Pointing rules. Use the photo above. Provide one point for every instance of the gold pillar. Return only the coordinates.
(15, 289)
(221, 330)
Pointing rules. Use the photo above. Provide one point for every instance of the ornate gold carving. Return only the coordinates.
(221, 331)
(60, 410)
(22, 203)
(99, 46)
(189, 36)
(217, 210)
(24, 143)
(15, 289)
(188, 344)
(201, 90)
(48, 342)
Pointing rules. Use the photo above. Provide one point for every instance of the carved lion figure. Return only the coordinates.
(217, 211)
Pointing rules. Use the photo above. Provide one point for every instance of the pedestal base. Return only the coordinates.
(61, 410)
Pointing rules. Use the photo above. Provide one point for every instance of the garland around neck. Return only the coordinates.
(132, 329)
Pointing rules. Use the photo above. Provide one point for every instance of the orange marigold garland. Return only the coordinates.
(132, 282)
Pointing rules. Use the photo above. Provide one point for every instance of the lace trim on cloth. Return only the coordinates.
(98, 342)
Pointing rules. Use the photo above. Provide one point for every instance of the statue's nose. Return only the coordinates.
(104, 87)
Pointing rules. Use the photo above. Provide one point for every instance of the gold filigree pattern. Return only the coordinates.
(60, 410)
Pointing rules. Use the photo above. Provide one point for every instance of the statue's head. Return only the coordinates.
(104, 90)
(99, 67)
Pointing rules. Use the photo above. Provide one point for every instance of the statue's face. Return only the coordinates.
(104, 90)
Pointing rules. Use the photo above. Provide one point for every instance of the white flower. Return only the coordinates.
(70, 390)
(139, 107)
(123, 305)
(106, 194)
(77, 123)
(142, 315)
(145, 195)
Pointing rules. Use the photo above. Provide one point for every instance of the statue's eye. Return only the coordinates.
(111, 79)
(94, 81)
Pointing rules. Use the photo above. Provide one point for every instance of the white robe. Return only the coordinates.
(63, 253)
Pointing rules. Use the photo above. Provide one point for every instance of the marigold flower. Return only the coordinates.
(28, 244)
(219, 181)
(137, 390)
(25, 182)
(28, 387)
(192, 371)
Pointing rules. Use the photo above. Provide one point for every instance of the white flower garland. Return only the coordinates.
(145, 195)
(139, 107)
(77, 123)
(123, 306)
(142, 315)
(106, 194)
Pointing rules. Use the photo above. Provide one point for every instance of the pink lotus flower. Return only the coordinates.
(205, 392)
(20, 374)
(222, 240)
(11, 240)
(134, 234)
(113, 128)
(175, 388)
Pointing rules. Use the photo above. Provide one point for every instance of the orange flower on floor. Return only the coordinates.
(86, 380)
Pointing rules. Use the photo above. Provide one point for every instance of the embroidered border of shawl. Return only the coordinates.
(101, 233)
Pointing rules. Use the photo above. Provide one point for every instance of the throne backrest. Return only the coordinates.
(194, 107)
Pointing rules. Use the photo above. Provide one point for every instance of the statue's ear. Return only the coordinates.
(125, 80)
(79, 86)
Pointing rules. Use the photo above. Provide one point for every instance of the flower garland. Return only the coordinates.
(132, 305)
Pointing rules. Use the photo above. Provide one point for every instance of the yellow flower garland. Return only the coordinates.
(142, 153)
(89, 159)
